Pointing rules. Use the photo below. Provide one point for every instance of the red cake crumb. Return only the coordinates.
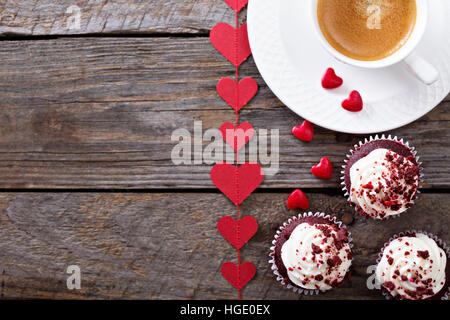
(335, 261)
(342, 235)
(368, 185)
(424, 291)
(316, 249)
(390, 260)
(319, 277)
(389, 285)
(423, 254)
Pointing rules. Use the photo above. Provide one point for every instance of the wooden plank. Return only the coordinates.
(165, 246)
(48, 17)
(99, 113)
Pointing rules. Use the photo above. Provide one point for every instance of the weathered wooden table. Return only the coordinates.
(86, 117)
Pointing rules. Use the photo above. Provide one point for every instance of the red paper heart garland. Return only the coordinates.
(236, 182)
(222, 35)
(238, 275)
(237, 232)
(237, 5)
(236, 94)
(236, 137)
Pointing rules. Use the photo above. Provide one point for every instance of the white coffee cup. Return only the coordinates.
(422, 69)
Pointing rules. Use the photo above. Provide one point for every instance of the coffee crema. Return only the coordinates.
(367, 30)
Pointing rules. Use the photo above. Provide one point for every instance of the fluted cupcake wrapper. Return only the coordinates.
(440, 243)
(359, 145)
(277, 235)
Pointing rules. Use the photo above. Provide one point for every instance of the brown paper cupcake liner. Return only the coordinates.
(274, 267)
(439, 242)
(383, 137)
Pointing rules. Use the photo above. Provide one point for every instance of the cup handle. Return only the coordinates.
(422, 69)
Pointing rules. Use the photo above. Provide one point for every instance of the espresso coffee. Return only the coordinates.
(367, 30)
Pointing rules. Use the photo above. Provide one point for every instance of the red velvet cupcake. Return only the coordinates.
(381, 177)
(311, 253)
(413, 265)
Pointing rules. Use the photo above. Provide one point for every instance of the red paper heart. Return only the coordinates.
(330, 80)
(231, 43)
(237, 183)
(238, 276)
(297, 199)
(237, 232)
(305, 132)
(236, 137)
(323, 170)
(236, 94)
(353, 103)
(237, 5)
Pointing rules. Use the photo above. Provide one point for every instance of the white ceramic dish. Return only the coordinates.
(292, 60)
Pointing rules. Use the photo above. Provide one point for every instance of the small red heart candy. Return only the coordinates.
(297, 199)
(353, 103)
(330, 80)
(305, 132)
(323, 170)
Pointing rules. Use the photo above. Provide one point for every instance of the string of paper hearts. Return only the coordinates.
(236, 182)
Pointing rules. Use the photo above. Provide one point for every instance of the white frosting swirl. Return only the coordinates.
(383, 183)
(412, 267)
(323, 267)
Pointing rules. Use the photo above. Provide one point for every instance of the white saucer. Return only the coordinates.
(292, 61)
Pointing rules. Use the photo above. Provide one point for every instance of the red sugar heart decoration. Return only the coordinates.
(236, 137)
(238, 276)
(304, 132)
(297, 199)
(237, 232)
(353, 103)
(330, 80)
(237, 95)
(237, 5)
(237, 183)
(323, 170)
(231, 43)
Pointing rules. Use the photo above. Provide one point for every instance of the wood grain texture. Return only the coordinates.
(99, 113)
(49, 17)
(165, 245)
